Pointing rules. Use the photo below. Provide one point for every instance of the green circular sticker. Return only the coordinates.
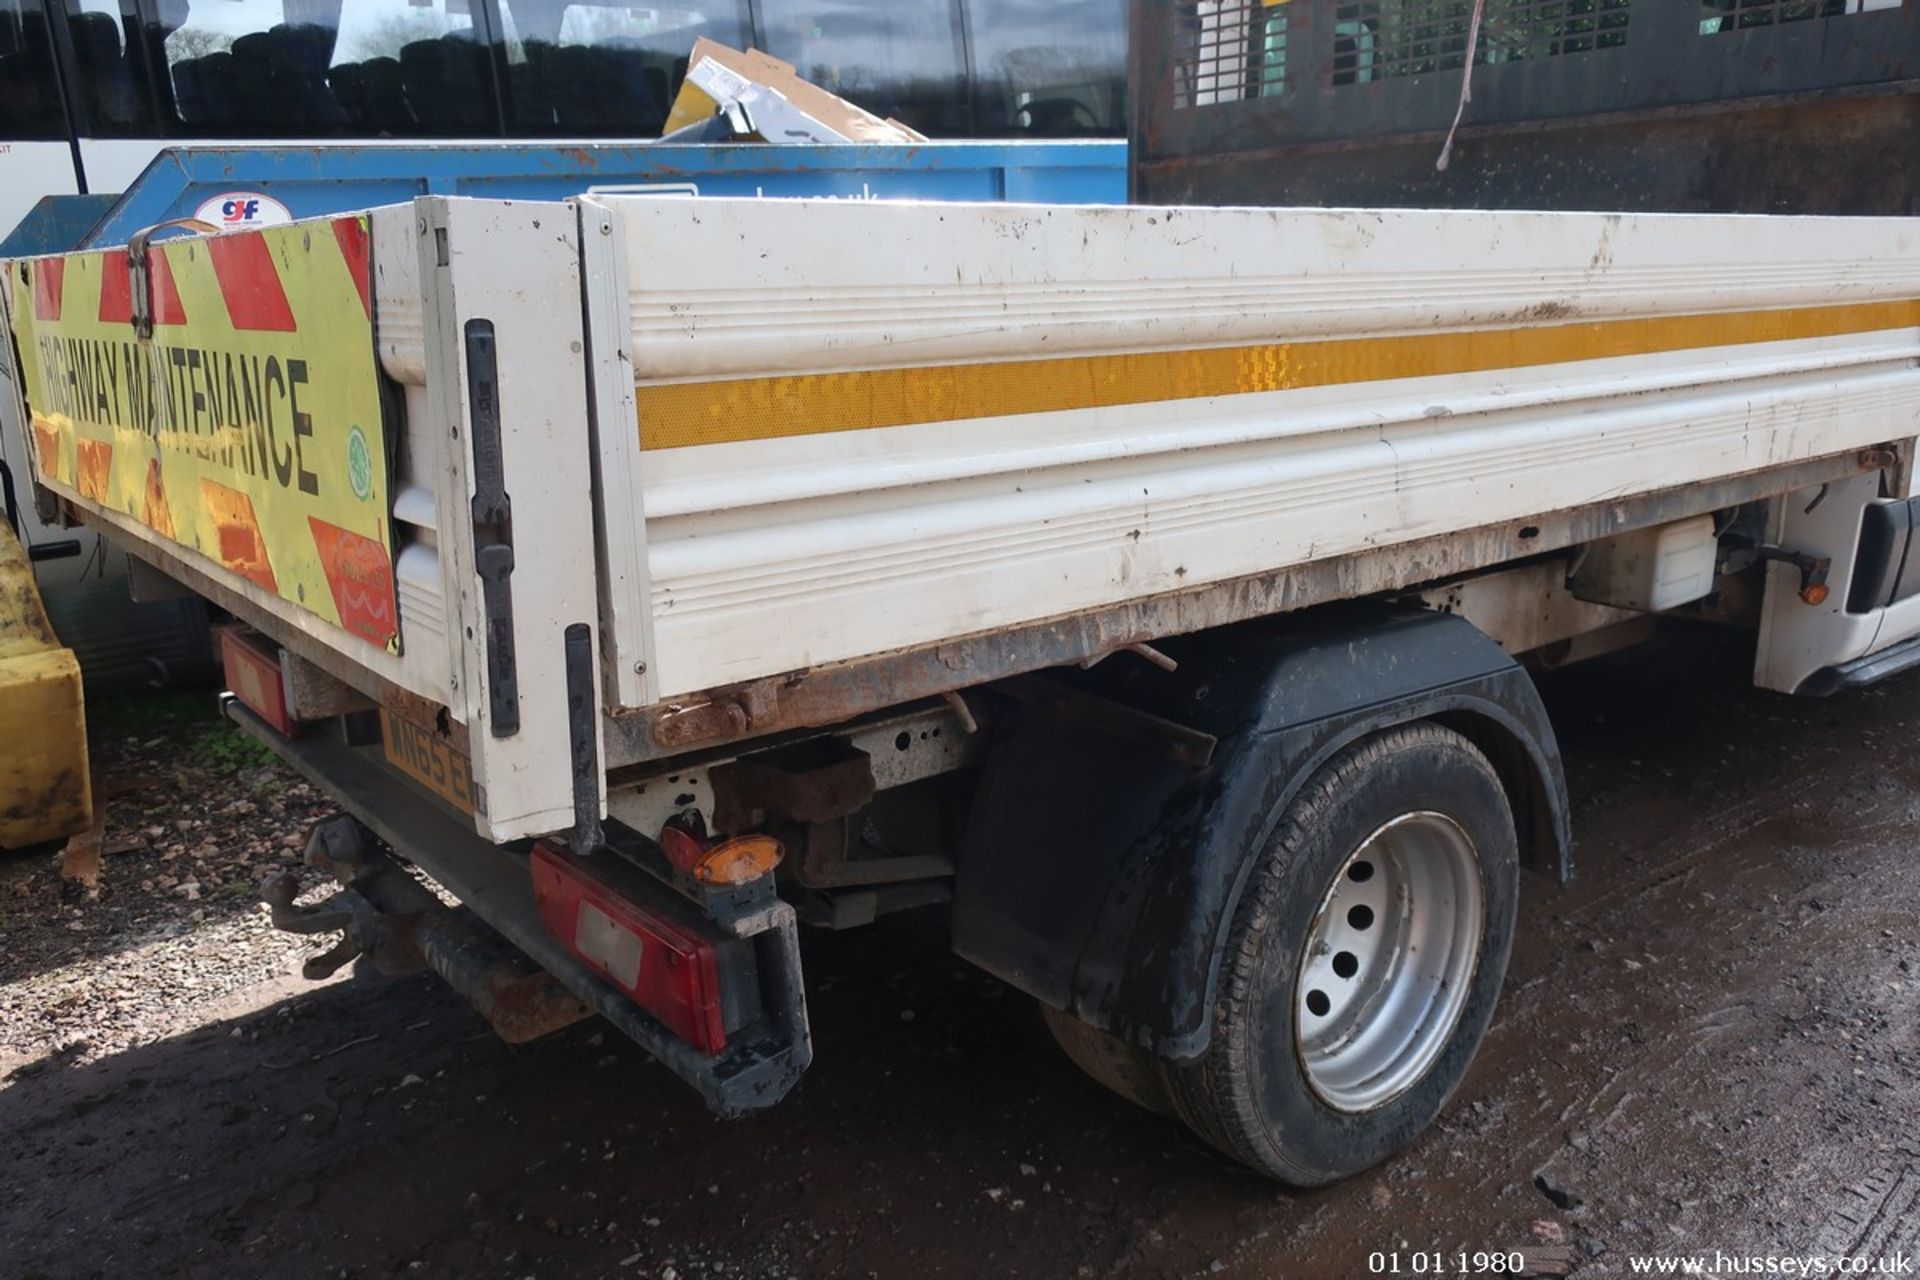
(359, 465)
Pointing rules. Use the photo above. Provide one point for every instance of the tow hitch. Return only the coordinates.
(384, 914)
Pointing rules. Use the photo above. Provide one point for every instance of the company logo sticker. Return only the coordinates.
(232, 209)
(359, 464)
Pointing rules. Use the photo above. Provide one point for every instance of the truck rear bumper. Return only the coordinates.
(494, 882)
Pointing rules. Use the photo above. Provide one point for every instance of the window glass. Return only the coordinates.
(1396, 39)
(404, 67)
(897, 58)
(1743, 15)
(29, 107)
(297, 68)
(605, 70)
(109, 73)
(1053, 68)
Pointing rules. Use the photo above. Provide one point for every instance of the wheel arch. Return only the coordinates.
(1531, 775)
(1103, 880)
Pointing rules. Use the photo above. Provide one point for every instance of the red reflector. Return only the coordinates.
(669, 970)
(252, 674)
(683, 849)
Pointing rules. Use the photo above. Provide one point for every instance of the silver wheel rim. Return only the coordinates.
(1389, 961)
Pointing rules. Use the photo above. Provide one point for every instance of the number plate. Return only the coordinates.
(427, 760)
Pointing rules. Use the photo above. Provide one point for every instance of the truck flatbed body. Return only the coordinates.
(994, 416)
(795, 461)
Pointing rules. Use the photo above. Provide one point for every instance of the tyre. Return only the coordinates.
(1132, 1073)
(1362, 966)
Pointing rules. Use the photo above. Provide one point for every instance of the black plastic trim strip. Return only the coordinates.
(492, 512)
(1892, 660)
(582, 709)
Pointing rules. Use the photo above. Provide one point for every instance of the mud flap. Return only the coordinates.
(1100, 874)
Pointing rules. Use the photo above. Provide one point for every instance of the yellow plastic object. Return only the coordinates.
(46, 791)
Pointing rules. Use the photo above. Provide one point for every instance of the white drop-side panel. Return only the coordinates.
(774, 555)
(742, 288)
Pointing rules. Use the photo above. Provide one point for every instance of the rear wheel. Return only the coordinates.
(1363, 964)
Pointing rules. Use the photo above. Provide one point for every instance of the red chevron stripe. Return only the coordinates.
(352, 235)
(166, 298)
(49, 275)
(116, 289)
(361, 578)
(250, 282)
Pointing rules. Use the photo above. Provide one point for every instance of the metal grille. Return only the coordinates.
(1387, 39)
(1744, 15)
(1229, 50)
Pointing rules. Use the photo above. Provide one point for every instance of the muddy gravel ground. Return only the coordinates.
(1711, 1041)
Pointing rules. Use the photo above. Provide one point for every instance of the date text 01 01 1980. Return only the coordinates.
(1436, 1264)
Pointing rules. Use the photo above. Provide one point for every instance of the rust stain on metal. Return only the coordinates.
(522, 1006)
(683, 725)
(810, 782)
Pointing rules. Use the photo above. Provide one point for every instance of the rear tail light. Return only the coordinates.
(252, 672)
(666, 967)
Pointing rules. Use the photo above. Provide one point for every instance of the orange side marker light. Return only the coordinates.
(740, 860)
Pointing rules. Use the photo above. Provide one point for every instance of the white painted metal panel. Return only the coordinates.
(776, 554)
(620, 525)
(737, 288)
(517, 265)
(1798, 639)
(400, 345)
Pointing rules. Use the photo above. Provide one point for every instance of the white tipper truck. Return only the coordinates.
(1158, 585)
(1154, 590)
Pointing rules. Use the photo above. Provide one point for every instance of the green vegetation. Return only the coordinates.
(190, 721)
(224, 749)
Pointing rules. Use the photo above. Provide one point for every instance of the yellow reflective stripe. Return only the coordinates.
(694, 413)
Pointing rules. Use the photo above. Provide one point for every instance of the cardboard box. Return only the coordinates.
(780, 105)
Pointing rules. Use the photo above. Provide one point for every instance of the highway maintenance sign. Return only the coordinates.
(248, 427)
